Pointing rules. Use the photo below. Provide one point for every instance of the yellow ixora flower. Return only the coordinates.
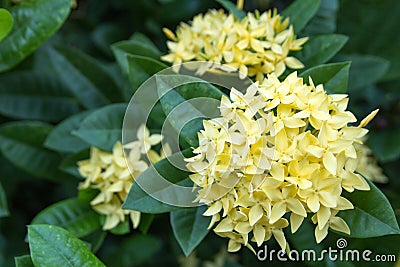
(282, 148)
(109, 173)
(255, 46)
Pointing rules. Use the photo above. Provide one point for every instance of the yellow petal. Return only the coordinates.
(243, 227)
(338, 224)
(280, 238)
(278, 210)
(255, 214)
(259, 234)
(320, 234)
(330, 162)
(323, 216)
(293, 63)
(135, 218)
(369, 118)
(295, 221)
(295, 206)
(213, 209)
(313, 203)
(233, 246)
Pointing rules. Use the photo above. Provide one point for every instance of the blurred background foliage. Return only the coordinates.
(86, 36)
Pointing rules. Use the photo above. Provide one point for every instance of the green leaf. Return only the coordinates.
(53, 246)
(85, 77)
(324, 20)
(122, 228)
(61, 138)
(95, 239)
(300, 13)
(192, 88)
(190, 227)
(106, 34)
(228, 5)
(372, 214)
(139, 45)
(103, 127)
(35, 96)
(75, 215)
(145, 222)
(140, 200)
(365, 69)
(31, 29)
(23, 261)
(3, 203)
(385, 144)
(379, 41)
(140, 68)
(22, 144)
(333, 76)
(69, 163)
(321, 48)
(6, 23)
(137, 250)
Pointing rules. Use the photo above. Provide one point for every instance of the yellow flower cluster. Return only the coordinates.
(109, 173)
(256, 46)
(280, 148)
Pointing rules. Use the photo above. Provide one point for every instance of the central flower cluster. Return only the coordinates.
(256, 45)
(280, 148)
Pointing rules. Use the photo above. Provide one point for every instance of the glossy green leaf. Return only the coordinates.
(95, 239)
(36, 96)
(142, 201)
(333, 76)
(190, 227)
(145, 222)
(372, 214)
(136, 250)
(228, 5)
(3, 203)
(85, 77)
(103, 127)
(191, 112)
(54, 246)
(321, 48)
(61, 138)
(69, 163)
(6, 23)
(137, 45)
(105, 35)
(122, 228)
(380, 40)
(385, 144)
(22, 144)
(23, 261)
(31, 29)
(365, 69)
(301, 12)
(75, 215)
(140, 68)
(324, 20)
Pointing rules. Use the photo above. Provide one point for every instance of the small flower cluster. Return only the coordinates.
(256, 46)
(280, 148)
(109, 173)
(367, 165)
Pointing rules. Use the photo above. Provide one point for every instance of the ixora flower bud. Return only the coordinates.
(256, 45)
(281, 148)
(109, 173)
